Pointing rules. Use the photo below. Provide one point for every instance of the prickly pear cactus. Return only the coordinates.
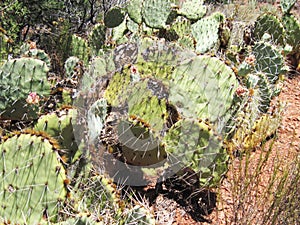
(70, 65)
(269, 61)
(270, 25)
(287, 5)
(182, 26)
(96, 118)
(148, 95)
(156, 12)
(137, 144)
(97, 38)
(251, 126)
(23, 83)
(192, 9)
(80, 48)
(139, 215)
(193, 144)
(134, 10)
(206, 32)
(203, 88)
(114, 17)
(59, 126)
(99, 67)
(142, 99)
(292, 27)
(32, 179)
(30, 50)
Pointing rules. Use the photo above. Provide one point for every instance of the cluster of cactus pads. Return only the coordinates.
(159, 84)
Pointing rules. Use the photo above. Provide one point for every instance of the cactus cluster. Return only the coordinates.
(152, 94)
(159, 84)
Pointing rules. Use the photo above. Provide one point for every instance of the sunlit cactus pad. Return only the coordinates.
(193, 144)
(32, 179)
(18, 78)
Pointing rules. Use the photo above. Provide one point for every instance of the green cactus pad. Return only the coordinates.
(134, 10)
(19, 78)
(39, 54)
(99, 67)
(264, 127)
(182, 26)
(287, 5)
(193, 144)
(245, 69)
(96, 118)
(269, 61)
(59, 126)
(80, 48)
(206, 32)
(132, 26)
(114, 17)
(137, 144)
(186, 42)
(292, 27)
(97, 38)
(192, 9)
(156, 12)
(140, 215)
(147, 100)
(203, 88)
(251, 126)
(70, 65)
(118, 33)
(271, 25)
(117, 87)
(32, 180)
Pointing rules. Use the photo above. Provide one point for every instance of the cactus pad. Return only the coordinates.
(192, 9)
(19, 78)
(58, 125)
(287, 5)
(97, 38)
(203, 88)
(134, 10)
(270, 24)
(80, 48)
(114, 17)
(191, 143)
(206, 32)
(32, 180)
(156, 12)
(292, 27)
(269, 61)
